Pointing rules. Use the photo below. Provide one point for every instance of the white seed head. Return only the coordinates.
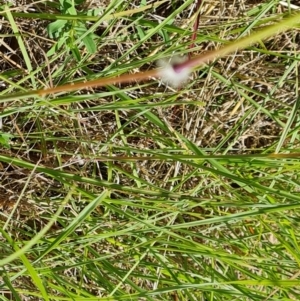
(171, 76)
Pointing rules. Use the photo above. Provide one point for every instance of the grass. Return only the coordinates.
(140, 191)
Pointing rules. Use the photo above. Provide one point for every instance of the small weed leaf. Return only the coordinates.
(66, 32)
(5, 139)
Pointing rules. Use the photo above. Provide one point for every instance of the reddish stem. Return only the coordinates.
(196, 25)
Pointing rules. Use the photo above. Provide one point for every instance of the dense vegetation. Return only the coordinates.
(141, 190)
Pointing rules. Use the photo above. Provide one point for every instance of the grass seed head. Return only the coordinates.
(173, 72)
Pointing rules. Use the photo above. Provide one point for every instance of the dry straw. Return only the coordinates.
(177, 70)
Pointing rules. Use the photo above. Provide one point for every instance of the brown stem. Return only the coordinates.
(196, 25)
(124, 78)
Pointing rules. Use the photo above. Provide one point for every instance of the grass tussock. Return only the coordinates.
(142, 191)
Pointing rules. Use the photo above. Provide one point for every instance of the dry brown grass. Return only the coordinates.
(207, 126)
(246, 98)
